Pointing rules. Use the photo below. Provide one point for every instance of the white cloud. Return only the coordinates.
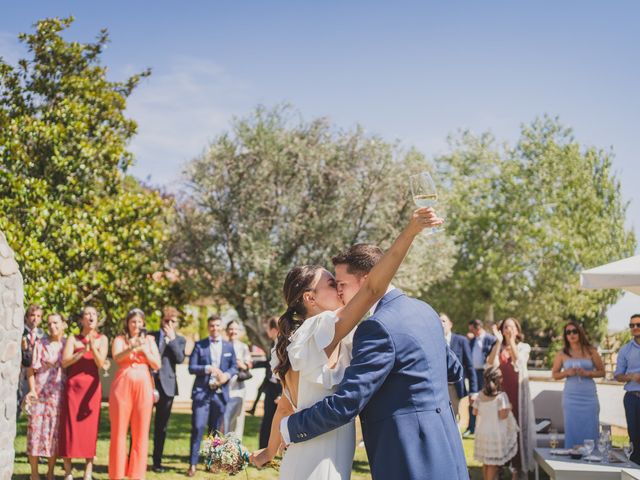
(179, 111)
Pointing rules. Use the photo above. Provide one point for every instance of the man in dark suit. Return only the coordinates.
(270, 386)
(481, 345)
(171, 347)
(460, 347)
(213, 362)
(31, 334)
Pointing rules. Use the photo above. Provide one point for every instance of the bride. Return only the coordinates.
(314, 349)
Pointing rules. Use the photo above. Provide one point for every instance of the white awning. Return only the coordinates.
(623, 274)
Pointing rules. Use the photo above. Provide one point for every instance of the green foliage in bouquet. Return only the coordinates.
(224, 453)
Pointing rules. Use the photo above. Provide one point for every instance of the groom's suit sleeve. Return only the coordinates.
(373, 359)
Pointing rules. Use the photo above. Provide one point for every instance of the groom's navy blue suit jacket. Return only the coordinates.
(397, 382)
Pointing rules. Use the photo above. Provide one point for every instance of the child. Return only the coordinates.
(496, 435)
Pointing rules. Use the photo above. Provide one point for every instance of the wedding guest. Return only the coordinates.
(578, 362)
(30, 336)
(270, 386)
(213, 362)
(460, 347)
(83, 356)
(496, 437)
(46, 379)
(234, 411)
(628, 371)
(511, 354)
(481, 344)
(271, 329)
(131, 398)
(171, 347)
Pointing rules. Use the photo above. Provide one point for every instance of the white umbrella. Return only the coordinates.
(623, 274)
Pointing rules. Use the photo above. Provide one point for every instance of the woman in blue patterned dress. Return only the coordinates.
(578, 362)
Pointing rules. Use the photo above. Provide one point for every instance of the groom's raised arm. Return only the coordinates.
(373, 358)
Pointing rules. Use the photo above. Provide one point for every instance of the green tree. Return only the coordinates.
(278, 191)
(526, 220)
(82, 231)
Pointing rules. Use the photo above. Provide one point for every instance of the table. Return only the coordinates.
(565, 468)
(630, 474)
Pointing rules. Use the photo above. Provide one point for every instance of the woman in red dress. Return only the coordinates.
(511, 354)
(83, 356)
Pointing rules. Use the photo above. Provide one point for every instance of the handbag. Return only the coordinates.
(244, 374)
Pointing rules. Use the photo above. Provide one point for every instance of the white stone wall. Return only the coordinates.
(11, 326)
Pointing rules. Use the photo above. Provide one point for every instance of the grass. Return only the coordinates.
(176, 454)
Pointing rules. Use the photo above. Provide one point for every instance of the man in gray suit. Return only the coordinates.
(171, 347)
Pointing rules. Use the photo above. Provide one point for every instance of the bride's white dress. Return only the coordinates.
(328, 456)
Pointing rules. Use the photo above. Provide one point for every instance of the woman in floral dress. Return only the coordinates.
(46, 384)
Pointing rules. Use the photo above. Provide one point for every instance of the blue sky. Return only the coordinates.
(413, 71)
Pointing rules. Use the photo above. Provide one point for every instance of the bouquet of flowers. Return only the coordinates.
(224, 453)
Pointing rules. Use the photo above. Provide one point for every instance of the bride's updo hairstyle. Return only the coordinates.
(299, 281)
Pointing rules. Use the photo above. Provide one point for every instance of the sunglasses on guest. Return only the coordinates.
(634, 325)
(571, 331)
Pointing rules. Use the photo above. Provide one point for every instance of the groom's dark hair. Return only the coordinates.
(359, 258)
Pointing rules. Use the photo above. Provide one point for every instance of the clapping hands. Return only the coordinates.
(497, 333)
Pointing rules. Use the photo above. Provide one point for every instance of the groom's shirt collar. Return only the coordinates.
(375, 305)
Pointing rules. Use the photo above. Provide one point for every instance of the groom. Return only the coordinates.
(397, 382)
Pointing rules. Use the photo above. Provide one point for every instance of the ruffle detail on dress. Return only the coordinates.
(306, 350)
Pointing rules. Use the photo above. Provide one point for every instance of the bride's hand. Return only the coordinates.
(260, 458)
(424, 218)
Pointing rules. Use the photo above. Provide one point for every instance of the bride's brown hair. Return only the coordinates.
(299, 280)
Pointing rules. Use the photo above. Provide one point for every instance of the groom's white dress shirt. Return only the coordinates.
(284, 426)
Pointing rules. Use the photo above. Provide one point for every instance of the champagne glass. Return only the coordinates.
(106, 365)
(627, 447)
(424, 194)
(589, 445)
(602, 446)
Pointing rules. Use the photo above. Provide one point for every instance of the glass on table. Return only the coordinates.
(627, 448)
(589, 446)
(553, 438)
(603, 447)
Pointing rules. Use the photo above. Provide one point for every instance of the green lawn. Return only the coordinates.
(176, 455)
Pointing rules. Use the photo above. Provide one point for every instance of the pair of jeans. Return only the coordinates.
(632, 412)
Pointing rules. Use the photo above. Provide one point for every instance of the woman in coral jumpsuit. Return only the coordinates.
(83, 356)
(131, 398)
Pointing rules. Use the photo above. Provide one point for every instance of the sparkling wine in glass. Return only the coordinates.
(106, 366)
(424, 194)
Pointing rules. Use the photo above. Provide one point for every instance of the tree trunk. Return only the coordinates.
(254, 328)
(488, 316)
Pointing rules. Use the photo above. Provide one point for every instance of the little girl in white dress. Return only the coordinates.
(496, 434)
